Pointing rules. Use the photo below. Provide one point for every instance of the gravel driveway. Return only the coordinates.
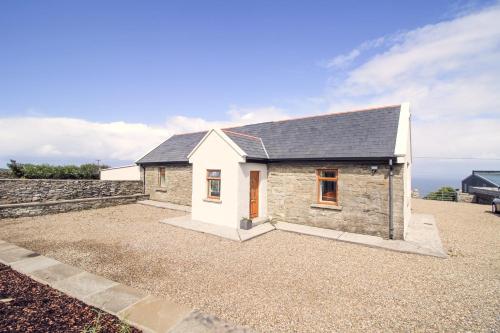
(283, 282)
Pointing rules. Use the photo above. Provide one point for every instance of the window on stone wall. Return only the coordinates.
(213, 184)
(327, 186)
(161, 177)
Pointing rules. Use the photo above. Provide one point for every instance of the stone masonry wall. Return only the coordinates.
(363, 197)
(62, 206)
(178, 184)
(34, 190)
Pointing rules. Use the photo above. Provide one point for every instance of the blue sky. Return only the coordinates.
(86, 80)
(140, 61)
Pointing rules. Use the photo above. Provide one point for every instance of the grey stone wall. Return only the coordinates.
(34, 190)
(466, 197)
(178, 184)
(363, 197)
(61, 206)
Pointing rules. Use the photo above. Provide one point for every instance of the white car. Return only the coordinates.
(495, 206)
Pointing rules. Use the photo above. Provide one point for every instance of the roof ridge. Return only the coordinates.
(325, 114)
(298, 118)
(242, 134)
(187, 133)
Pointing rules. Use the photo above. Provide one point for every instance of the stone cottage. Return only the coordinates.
(347, 171)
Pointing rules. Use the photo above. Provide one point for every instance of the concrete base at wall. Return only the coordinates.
(61, 206)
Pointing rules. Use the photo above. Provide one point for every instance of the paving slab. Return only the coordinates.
(155, 314)
(422, 237)
(32, 264)
(166, 205)
(83, 285)
(234, 234)
(7, 246)
(53, 274)
(198, 322)
(362, 239)
(16, 253)
(115, 299)
(186, 222)
(255, 231)
(423, 231)
(307, 230)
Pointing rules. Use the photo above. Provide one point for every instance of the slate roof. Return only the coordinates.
(251, 145)
(491, 176)
(351, 135)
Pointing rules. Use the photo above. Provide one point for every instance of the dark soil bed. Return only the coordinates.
(29, 306)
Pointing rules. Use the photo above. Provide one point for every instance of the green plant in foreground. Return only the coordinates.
(124, 327)
(95, 327)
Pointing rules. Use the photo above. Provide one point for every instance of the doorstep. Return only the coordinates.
(234, 234)
(146, 312)
(422, 236)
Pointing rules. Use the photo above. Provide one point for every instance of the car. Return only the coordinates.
(495, 206)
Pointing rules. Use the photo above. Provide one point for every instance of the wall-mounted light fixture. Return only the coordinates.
(374, 169)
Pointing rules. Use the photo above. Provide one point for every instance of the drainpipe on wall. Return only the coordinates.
(391, 217)
(143, 179)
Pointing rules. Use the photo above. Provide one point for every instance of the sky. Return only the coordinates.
(110, 80)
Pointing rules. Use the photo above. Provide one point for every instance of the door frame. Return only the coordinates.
(257, 195)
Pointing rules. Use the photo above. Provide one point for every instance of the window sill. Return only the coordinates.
(212, 200)
(161, 190)
(326, 206)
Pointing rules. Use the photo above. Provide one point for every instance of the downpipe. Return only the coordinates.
(391, 210)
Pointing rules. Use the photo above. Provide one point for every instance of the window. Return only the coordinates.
(161, 177)
(327, 186)
(213, 184)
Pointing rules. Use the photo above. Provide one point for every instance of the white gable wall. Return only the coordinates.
(403, 151)
(215, 152)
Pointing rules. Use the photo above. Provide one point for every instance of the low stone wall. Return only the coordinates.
(465, 197)
(39, 190)
(61, 206)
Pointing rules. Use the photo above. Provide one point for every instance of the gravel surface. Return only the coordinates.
(284, 282)
(29, 306)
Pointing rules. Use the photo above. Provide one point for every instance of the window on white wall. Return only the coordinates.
(213, 184)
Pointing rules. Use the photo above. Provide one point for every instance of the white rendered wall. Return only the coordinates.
(130, 172)
(215, 153)
(407, 180)
(244, 189)
(403, 151)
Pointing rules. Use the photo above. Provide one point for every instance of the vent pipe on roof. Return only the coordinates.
(391, 213)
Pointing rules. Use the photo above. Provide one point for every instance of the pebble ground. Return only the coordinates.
(284, 282)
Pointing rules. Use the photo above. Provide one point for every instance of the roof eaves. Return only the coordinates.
(486, 179)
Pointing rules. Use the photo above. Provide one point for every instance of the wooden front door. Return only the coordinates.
(254, 194)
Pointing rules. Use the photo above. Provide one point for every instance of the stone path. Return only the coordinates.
(422, 236)
(146, 312)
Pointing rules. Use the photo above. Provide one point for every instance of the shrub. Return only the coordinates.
(446, 193)
(46, 171)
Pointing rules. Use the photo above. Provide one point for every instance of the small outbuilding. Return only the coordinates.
(481, 178)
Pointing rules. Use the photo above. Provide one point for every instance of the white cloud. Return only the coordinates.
(29, 137)
(344, 60)
(450, 72)
(75, 138)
